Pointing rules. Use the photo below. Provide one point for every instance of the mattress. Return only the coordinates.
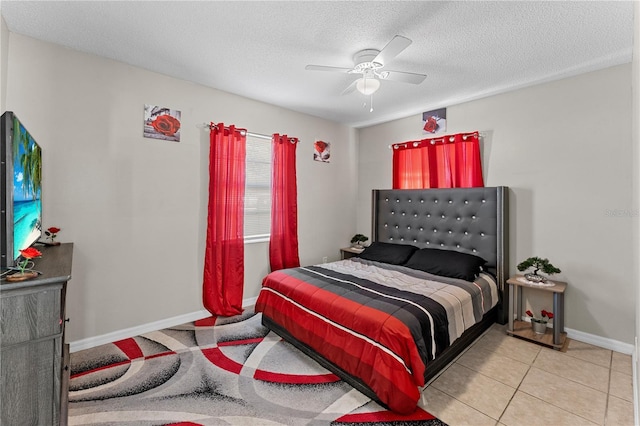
(378, 322)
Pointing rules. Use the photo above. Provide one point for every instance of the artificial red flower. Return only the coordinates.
(52, 232)
(545, 314)
(30, 253)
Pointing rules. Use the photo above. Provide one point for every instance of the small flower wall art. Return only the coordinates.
(434, 122)
(161, 123)
(322, 151)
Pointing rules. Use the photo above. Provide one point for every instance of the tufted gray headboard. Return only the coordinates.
(470, 220)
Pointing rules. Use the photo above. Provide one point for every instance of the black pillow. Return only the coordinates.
(395, 254)
(447, 263)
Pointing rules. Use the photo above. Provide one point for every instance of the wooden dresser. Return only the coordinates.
(33, 364)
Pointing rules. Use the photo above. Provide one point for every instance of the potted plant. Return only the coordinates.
(358, 239)
(539, 325)
(537, 264)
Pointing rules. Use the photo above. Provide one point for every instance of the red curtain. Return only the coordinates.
(283, 244)
(447, 162)
(223, 278)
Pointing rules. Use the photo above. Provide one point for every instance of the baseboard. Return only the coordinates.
(127, 333)
(592, 339)
(603, 342)
(634, 360)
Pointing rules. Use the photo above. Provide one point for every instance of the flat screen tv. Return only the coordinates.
(21, 174)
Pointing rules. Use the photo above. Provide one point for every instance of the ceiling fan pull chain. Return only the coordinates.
(371, 109)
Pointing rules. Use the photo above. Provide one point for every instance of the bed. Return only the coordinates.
(388, 320)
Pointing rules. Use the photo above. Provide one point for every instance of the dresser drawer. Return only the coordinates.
(30, 314)
(31, 383)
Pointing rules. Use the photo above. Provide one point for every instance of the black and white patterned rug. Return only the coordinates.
(216, 371)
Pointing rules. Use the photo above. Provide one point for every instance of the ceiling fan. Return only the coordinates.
(369, 63)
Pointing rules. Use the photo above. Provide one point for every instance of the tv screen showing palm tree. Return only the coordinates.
(27, 182)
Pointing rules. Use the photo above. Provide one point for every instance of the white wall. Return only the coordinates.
(4, 58)
(636, 191)
(564, 148)
(136, 207)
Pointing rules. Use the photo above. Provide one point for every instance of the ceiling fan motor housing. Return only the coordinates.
(364, 60)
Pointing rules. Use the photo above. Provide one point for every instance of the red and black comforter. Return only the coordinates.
(378, 322)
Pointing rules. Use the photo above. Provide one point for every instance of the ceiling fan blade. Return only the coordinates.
(405, 77)
(392, 49)
(325, 68)
(350, 88)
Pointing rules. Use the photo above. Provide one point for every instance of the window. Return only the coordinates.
(257, 197)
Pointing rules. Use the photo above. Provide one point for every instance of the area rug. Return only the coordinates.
(216, 371)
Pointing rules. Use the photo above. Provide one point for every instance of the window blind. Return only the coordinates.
(257, 198)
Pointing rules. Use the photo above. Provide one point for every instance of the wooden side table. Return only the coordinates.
(348, 252)
(552, 338)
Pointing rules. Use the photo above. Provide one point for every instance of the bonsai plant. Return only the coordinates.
(358, 239)
(537, 264)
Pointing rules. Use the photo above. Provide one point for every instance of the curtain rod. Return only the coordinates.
(439, 139)
(253, 135)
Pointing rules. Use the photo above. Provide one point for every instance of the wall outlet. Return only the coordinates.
(324, 259)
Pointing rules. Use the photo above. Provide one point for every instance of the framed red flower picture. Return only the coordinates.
(161, 123)
(434, 122)
(322, 151)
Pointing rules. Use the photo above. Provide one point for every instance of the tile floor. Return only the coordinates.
(503, 380)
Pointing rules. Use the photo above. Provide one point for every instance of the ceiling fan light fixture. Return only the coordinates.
(367, 86)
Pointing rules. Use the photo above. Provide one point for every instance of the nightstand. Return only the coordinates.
(348, 252)
(552, 338)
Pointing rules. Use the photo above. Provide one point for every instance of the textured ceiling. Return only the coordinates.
(259, 49)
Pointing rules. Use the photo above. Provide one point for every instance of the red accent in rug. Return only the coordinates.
(117, 364)
(216, 356)
(184, 424)
(206, 322)
(104, 367)
(241, 342)
(385, 416)
(130, 348)
(267, 376)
